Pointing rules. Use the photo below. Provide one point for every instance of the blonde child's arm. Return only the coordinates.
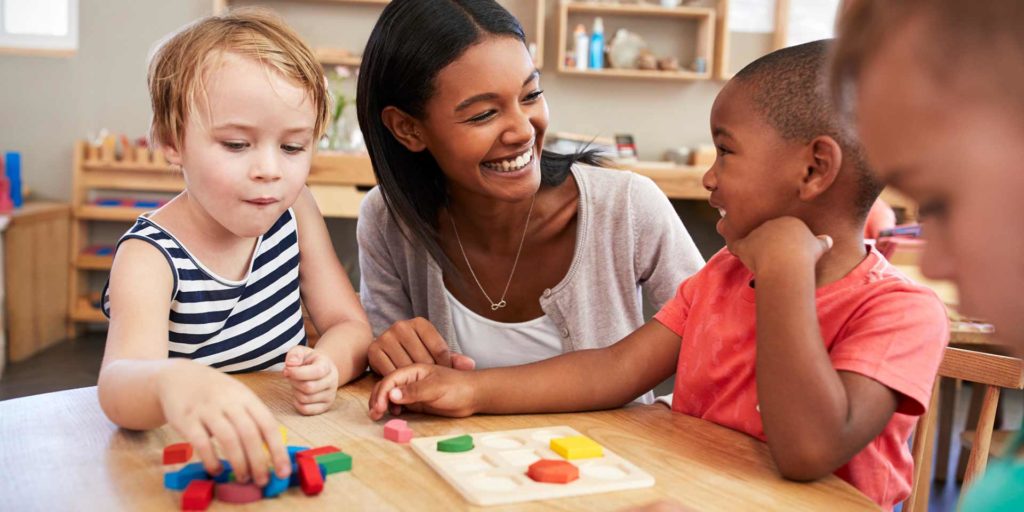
(576, 381)
(140, 388)
(334, 307)
(815, 417)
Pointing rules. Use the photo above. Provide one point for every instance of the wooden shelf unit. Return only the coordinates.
(704, 43)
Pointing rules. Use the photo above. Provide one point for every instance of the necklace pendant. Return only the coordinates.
(495, 307)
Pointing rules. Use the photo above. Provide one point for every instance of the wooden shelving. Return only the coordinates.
(93, 262)
(703, 43)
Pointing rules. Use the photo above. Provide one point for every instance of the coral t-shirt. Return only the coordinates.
(874, 322)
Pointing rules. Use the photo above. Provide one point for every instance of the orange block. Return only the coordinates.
(553, 471)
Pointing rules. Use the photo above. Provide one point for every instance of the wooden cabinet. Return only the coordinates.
(35, 277)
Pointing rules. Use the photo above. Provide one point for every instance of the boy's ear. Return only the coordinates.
(404, 128)
(170, 152)
(826, 159)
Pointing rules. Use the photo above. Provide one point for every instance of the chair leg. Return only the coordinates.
(922, 449)
(971, 423)
(982, 435)
(947, 411)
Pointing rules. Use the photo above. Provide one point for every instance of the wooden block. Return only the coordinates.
(276, 486)
(179, 480)
(142, 155)
(108, 152)
(310, 478)
(315, 452)
(198, 495)
(234, 492)
(398, 431)
(226, 473)
(458, 444)
(293, 451)
(177, 453)
(553, 471)
(577, 447)
(335, 462)
(159, 160)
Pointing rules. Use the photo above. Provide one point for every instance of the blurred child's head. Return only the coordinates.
(782, 150)
(239, 101)
(938, 90)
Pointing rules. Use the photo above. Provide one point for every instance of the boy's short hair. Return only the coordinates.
(790, 91)
(965, 37)
(178, 66)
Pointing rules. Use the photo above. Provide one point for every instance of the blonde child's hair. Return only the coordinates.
(178, 66)
(967, 36)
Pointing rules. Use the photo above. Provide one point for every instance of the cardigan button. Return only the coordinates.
(565, 333)
(547, 292)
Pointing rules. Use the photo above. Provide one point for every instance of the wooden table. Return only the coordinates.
(59, 452)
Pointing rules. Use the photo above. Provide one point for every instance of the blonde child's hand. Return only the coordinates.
(781, 241)
(314, 379)
(204, 405)
(426, 388)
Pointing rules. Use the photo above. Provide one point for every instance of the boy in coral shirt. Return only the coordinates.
(812, 343)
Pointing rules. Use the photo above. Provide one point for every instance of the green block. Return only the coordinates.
(456, 444)
(335, 462)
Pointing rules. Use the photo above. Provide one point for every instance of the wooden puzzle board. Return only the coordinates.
(494, 471)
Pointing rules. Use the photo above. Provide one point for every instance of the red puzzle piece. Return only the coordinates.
(178, 452)
(310, 479)
(315, 452)
(553, 471)
(198, 495)
(234, 492)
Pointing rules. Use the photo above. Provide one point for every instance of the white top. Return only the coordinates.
(494, 344)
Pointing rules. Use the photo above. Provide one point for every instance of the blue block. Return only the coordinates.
(109, 202)
(292, 450)
(225, 473)
(12, 166)
(276, 486)
(104, 251)
(179, 480)
(147, 204)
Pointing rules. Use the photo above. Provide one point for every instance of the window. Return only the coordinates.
(39, 26)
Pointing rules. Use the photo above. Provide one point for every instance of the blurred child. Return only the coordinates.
(797, 333)
(211, 283)
(937, 88)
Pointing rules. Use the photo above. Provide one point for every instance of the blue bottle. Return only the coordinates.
(12, 165)
(597, 45)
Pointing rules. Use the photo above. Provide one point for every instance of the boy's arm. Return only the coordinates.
(576, 381)
(139, 388)
(815, 417)
(328, 295)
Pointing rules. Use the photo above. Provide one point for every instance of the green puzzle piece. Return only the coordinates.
(335, 462)
(456, 444)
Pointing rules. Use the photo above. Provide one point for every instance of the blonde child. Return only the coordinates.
(814, 344)
(211, 283)
(936, 85)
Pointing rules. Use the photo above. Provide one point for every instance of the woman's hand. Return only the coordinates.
(204, 405)
(409, 342)
(425, 388)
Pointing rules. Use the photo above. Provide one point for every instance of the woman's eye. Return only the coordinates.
(482, 117)
(534, 95)
(234, 145)
(935, 209)
(722, 150)
(293, 148)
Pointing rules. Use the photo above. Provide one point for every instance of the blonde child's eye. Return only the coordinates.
(293, 148)
(234, 145)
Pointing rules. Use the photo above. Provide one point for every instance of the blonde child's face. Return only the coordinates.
(752, 178)
(957, 151)
(248, 146)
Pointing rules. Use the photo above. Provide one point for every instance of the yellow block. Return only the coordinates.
(577, 447)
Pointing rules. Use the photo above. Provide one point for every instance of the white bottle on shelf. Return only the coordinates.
(581, 42)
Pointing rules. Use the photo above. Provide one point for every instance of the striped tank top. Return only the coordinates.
(234, 326)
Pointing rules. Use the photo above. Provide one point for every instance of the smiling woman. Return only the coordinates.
(479, 247)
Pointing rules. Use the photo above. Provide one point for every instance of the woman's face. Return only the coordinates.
(954, 145)
(485, 123)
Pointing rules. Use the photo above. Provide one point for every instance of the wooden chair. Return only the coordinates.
(988, 370)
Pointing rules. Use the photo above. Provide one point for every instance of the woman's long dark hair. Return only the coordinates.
(411, 43)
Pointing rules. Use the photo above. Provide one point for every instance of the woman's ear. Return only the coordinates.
(825, 161)
(404, 128)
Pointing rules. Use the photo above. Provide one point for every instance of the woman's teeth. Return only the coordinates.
(511, 165)
(721, 211)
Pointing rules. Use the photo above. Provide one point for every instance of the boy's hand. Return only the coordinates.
(413, 341)
(424, 387)
(781, 241)
(314, 379)
(204, 405)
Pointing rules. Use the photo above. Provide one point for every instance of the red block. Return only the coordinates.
(315, 452)
(553, 471)
(310, 479)
(234, 492)
(198, 495)
(178, 452)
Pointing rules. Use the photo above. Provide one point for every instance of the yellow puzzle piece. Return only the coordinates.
(577, 447)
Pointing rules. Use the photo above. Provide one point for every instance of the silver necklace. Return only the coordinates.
(501, 303)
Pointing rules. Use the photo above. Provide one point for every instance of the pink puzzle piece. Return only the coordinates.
(397, 431)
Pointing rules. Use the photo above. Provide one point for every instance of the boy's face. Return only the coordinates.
(957, 151)
(248, 145)
(756, 175)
